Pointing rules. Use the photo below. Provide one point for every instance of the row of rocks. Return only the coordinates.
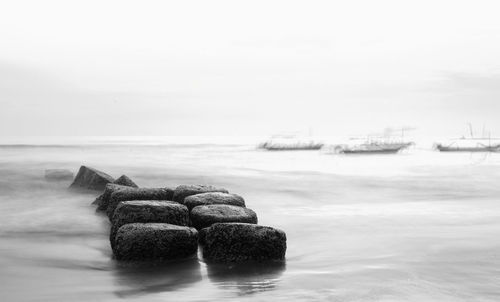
(166, 223)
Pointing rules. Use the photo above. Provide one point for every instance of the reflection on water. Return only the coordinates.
(136, 278)
(246, 278)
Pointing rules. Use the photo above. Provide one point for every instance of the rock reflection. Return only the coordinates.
(141, 278)
(247, 278)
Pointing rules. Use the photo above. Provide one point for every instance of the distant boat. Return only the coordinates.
(469, 145)
(290, 143)
(479, 147)
(472, 144)
(377, 144)
(373, 148)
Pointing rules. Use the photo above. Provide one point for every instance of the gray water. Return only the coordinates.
(417, 226)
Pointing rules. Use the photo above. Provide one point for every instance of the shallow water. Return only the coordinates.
(417, 226)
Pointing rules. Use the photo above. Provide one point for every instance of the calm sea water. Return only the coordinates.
(417, 226)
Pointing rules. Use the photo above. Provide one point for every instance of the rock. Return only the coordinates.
(205, 216)
(155, 241)
(238, 242)
(124, 180)
(213, 198)
(137, 194)
(184, 191)
(90, 178)
(145, 211)
(102, 201)
(58, 174)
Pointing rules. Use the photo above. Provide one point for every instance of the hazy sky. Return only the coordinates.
(247, 67)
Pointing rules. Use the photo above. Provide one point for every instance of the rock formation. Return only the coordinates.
(92, 179)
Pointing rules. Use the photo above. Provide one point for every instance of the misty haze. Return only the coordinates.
(249, 151)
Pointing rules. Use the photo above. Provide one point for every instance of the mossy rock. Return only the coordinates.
(239, 242)
(213, 198)
(183, 191)
(205, 216)
(155, 241)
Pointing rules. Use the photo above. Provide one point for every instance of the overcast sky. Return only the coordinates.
(247, 67)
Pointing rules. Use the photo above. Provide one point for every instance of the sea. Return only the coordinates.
(415, 226)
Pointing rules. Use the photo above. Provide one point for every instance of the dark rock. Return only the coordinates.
(213, 198)
(137, 194)
(155, 241)
(184, 191)
(205, 216)
(124, 180)
(58, 174)
(238, 242)
(102, 201)
(145, 211)
(92, 179)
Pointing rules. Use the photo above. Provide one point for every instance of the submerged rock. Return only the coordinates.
(155, 241)
(213, 198)
(92, 179)
(124, 180)
(184, 191)
(205, 216)
(145, 211)
(238, 242)
(58, 174)
(137, 194)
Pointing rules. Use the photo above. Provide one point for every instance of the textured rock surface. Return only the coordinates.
(205, 216)
(184, 191)
(213, 198)
(158, 241)
(238, 242)
(124, 180)
(103, 200)
(58, 174)
(145, 211)
(92, 179)
(137, 194)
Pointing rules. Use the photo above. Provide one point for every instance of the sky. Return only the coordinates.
(247, 68)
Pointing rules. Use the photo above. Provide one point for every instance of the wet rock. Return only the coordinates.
(102, 201)
(205, 216)
(137, 194)
(145, 211)
(124, 180)
(238, 242)
(184, 191)
(213, 198)
(58, 174)
(92, 179)
(155, 241)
